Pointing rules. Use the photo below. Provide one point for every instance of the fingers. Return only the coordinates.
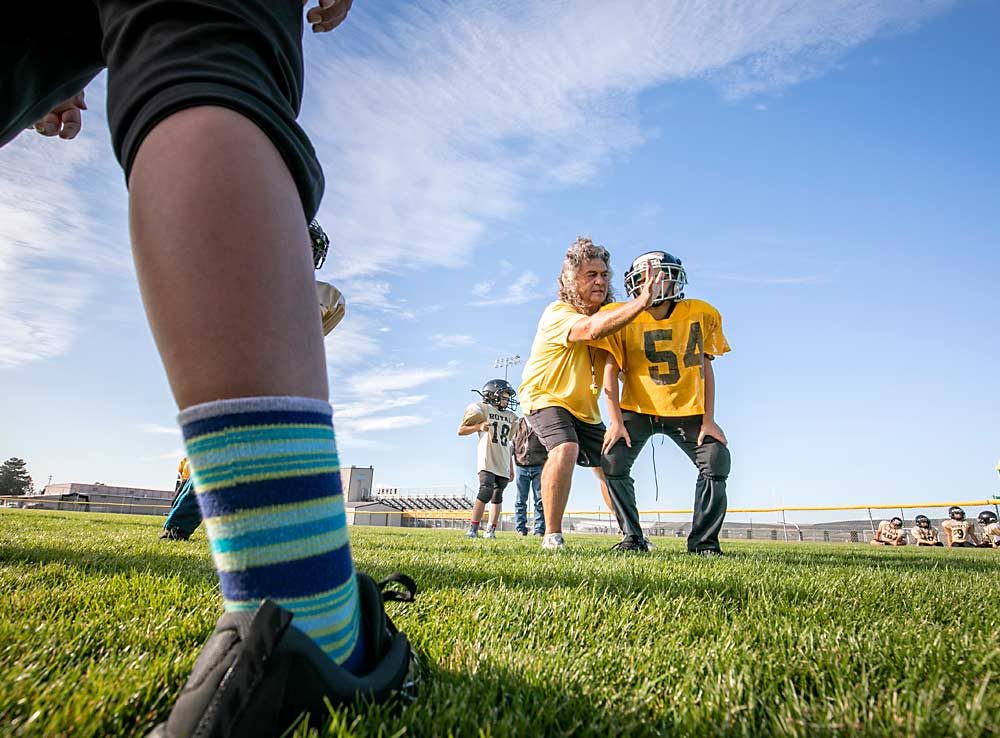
(628, 440)
(71, 124)
(328, 14)
(49, 125)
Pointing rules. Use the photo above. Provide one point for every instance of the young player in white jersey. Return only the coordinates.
(991, 529)
(924, 534)
(890, 533)
(493, 420)
(959, 532)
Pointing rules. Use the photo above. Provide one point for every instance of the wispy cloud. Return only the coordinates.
(522, 290)
(491, 106)
(379, 381)
(385, 423)
(446, 341)
(380, 404)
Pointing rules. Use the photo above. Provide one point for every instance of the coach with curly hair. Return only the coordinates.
(561, 378)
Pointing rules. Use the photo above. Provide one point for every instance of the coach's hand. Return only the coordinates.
(711, 428)
(64, 120)
(651, 286)
(614, 432)
(328, 14)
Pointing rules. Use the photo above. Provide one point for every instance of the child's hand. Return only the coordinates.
(328, 14)
(64, 120)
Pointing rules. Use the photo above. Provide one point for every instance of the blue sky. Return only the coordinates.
(828, 172)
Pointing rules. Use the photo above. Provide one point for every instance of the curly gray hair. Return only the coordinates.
(581, 251)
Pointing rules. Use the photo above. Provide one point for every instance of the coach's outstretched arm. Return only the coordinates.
(606, 322)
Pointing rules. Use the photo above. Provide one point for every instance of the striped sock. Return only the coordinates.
(267, 479)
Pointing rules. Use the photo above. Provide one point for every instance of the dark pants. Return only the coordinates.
(711, 458)
(184, 513)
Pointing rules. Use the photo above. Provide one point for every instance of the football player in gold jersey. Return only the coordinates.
(890, 533)
(560, 383)
(959, 532)
(665, 359)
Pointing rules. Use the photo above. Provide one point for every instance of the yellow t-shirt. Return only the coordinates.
(559, 373)
(662, 359)
(184, 469)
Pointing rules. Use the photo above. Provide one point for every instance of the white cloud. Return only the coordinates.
(362, 408)
(353, 342)
(449, 114)
(522, 290)
(445, 341)
(379, 381)
(386, 423)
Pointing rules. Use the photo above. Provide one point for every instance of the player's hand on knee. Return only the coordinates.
(65, 120)
(711, 428)
(614, 432)
(327, 14)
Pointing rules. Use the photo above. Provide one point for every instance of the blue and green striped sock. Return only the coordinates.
(267, 479)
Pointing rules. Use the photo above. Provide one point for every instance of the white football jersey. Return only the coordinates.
(497, 445)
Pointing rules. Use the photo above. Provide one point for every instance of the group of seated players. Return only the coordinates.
(958, 531)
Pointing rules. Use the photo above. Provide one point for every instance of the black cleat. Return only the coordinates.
(255, 676)
(174, 534)
(631, 544)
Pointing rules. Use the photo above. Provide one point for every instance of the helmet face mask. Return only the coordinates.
(956, 513)
(923, 521)
(674, 276)
(500, 394)
(987, 517)
(896, 522)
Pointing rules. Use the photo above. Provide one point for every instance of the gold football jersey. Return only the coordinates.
(331, 305)
(497, 444)
(927, 535)
(960, 529)
(662, 359)
(184, 469)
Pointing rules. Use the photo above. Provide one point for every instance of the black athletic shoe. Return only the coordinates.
(631, 544)
(256, 676)
(174, 534)
(708, 553)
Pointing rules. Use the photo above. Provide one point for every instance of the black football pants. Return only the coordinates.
(712, 460)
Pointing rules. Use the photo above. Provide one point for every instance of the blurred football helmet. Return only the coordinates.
(320, 243)
(896, 522)
(923, 521)
(987, 517)
(674, 278)
(956, 513)
(500, 394)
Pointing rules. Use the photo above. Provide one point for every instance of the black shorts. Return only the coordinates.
(491, 487)
(162, 56)
(555, 426)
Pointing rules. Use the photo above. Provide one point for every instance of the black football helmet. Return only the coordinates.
(987, 517)
(896, 522)
(320, 243)
(498, 391)
(922, 521)
(956, 513)
(674, 278)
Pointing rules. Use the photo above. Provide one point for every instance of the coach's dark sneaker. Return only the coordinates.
(256, 676)
(709, 553)
(174, 534)
(631, 544)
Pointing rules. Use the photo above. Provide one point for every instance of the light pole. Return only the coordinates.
(506, 362)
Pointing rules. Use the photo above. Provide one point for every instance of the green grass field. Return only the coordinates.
(100, 624)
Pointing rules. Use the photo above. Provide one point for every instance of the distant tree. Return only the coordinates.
(14, 477)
